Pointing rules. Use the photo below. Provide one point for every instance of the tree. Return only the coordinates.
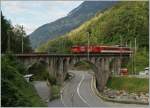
(6, 27)
(12, 37)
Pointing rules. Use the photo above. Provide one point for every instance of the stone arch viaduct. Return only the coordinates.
(58, 64)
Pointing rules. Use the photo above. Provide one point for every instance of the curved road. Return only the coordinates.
(78, 93)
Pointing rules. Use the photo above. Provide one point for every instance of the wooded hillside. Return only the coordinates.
(124, 21)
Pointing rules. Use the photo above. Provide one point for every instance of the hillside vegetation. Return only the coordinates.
(125, 21)
(16, 91)
(124, 83)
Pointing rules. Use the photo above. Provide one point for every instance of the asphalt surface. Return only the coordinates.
(42, 89)
(77, 92)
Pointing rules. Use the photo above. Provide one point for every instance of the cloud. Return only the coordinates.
(13, 6)
(32, 14)
(29, 28)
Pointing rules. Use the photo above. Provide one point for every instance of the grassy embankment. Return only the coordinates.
(130, 84)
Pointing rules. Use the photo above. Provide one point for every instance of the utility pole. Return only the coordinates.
(126, 44)
(61, 45)
(22, 40)
(134, 55)
(22, 44)
(132, 58)
(88, 45)
(88, 51)
(120, 52)
(135, 45)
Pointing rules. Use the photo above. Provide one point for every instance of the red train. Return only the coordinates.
(100, 49)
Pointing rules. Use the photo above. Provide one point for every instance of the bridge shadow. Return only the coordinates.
(39, 69)
(84, 65)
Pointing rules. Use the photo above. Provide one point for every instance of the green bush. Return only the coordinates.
(15, 91)
(140, 61)
(52, 79)
(55, 90)
(39, 71)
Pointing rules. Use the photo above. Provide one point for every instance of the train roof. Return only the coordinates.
(114, 46)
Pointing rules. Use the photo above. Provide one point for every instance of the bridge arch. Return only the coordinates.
(102, 64)
(39, 69)
(29, 64)
(100, 67)
(92, 65)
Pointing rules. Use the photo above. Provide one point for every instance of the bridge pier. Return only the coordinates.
(58, 65)
(65, 68)
(118, 65)
(103, 72)
(60, 71)
(52, 64)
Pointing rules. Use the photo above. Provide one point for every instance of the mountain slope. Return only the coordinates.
(63, 25)
(126, 21)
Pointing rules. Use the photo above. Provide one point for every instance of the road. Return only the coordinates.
(42, 89)
(78, 93)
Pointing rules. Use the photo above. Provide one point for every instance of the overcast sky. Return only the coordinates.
(32, 14)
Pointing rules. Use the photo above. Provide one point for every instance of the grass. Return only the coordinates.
(55, 91)
(34, 97)
(130, 84)
(29, 91)
(141, 61)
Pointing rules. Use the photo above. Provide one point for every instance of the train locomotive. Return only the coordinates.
(100, 49)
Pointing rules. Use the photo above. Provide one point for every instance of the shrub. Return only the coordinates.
(15, 91)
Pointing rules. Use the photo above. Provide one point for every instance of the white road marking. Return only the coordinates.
(78, 87)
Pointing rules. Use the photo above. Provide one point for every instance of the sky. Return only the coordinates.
(32, 14)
